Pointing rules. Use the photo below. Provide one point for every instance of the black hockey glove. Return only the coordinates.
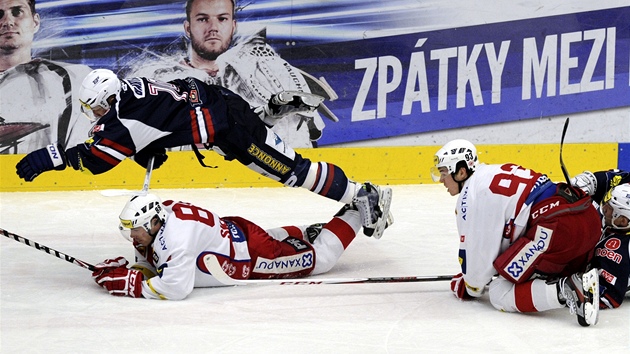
(143, 156)
(52, 157)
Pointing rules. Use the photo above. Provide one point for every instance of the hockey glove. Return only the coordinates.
(121, 281)
(52, 157)
(109, 264)
(586, 181)
(458, 286)
(142, 157)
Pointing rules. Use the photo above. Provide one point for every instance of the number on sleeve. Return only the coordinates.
(156, 86)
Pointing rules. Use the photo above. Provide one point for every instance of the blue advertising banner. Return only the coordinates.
(386, 68)
(475, 75)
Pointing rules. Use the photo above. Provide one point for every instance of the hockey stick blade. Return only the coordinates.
(46, 249)
(127, 192)
(212, 264)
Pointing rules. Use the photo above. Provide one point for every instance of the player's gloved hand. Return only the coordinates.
(143, 156)
(288, 102)
(109, 264)
(52, 157)
(458, 286)
(586, 181)
(121, 281)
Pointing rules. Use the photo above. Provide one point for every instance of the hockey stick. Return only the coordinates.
(145, 186)
(562, 166)
(212, 264)
(46, 249)
(565, 172)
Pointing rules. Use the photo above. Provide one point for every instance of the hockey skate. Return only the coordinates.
(373, 203)
(581, 295)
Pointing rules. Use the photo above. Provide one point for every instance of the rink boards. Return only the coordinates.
(382, 165)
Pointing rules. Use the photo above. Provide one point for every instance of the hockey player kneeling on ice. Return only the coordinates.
(172, 238)
(536, 235)
(141, 118)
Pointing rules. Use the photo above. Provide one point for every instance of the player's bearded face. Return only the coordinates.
(209, 49)
(17, 24)
(211, 28)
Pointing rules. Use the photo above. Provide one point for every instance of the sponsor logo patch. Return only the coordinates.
(464, 205)
(608, 254)
(611, 279)
(97, 128)
(193, 96)
(288, 264)
(266, 159)
(528, 254)
(613, 244)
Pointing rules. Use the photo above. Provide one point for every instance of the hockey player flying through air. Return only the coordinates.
(140, 118)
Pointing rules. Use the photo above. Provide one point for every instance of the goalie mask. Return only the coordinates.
(619, 201)
(453, 155)
(138, 212)
(97, 87)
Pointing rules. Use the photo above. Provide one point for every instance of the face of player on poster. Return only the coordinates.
(18, 26)
(210, 28)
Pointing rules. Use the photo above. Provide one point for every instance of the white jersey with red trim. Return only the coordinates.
(188, 233)
(491, 214)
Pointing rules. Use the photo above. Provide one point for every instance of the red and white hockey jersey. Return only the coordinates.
(176, 255)
(491, 213)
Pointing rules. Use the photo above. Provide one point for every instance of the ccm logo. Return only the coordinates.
(544, 209)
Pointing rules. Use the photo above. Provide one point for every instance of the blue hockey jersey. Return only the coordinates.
(156, 115)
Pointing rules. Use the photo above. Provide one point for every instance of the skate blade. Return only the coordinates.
(590, 284)
(382, 222)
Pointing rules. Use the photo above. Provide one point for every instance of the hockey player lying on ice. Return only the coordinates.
(141, 117)
(536, 235)
(172, 238)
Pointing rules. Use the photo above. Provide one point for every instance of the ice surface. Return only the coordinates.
(52, 306)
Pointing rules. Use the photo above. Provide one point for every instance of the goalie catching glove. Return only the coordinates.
(114, 276)
(285, 103)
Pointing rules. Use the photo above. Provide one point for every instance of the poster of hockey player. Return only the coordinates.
(386, 70)
(246, 64)
(37, 105)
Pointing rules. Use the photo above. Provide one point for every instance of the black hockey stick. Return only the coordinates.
(212, 264)
(562, 166)
(46, 249)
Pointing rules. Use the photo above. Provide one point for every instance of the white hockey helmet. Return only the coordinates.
(454, 154)
(138, 212)
(619, 200)
(96, 88)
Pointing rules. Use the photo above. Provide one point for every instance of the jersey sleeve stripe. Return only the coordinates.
(105, 156)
